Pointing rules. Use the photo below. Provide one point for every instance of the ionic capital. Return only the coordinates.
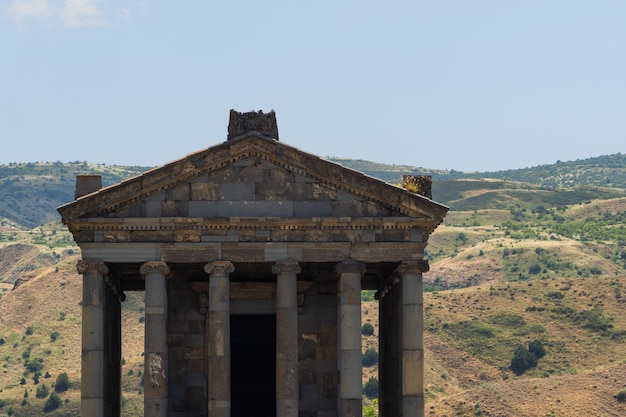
(413, 267)
(154, 267)
(92, 267)
(350, 266)
(286, 267)
(221, 268)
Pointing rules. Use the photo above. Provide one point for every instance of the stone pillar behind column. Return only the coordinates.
(155, 352)
(349, 328)
(218, 338)
(92, 360)
(412, 337)
(286, 338)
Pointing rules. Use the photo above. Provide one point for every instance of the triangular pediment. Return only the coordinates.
(252, 177)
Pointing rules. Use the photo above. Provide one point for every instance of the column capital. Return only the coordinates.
(154, 267)
(90, 267)
(350, 266)
(219, 267)
(286, 267)
(413, 267)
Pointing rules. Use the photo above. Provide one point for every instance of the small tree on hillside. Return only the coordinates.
(370, 389)
(62, 383)
(537, 348)
(42, 391)
(53, 402)
(522, 360)
(370, 357)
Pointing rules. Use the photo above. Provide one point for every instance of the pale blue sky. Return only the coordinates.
(465, 85)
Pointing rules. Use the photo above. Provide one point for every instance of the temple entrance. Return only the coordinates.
(253, 365)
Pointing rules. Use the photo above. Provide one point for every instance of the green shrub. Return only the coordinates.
(368, 295)
(522, 360)
(621, 395)
(42, 391)
(29, 330)
(34, 365)
(53, 402)
(536, 347)
(370, 389)
(592, 320)
(63, 383)
(26, 353)
(370, 357)
(509, 320)
(367, 329)
(554, 295)
(54, 335)
(471, 329)
(534, 269)
(371, 410)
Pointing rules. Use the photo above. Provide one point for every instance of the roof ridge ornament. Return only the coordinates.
(252, 122)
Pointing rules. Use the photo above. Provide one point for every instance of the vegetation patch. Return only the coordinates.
(509, 320)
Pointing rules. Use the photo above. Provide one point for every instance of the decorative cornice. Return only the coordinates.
(91, 267)
(350, 266)
(286, 267)
(219, 268)
(204, 226)
(154, 267)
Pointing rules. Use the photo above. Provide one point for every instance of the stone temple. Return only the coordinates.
(252, 255)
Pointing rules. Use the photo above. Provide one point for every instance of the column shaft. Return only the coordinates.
(155, 351)
(92, 360)
(218, 338)
(286, 338)
(412, 338)
(349, 328)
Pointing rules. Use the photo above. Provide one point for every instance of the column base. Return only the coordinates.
(349, 407)
(287, 408)
(219, 408)
(155, 408)
(92, 407)
(413, 406)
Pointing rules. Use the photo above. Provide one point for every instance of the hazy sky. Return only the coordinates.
(468, 85)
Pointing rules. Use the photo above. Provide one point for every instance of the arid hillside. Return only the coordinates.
(513, 264)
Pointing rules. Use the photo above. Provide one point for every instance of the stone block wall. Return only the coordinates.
(187, 356)
(317, 349)
(317, 353)
(257, 188)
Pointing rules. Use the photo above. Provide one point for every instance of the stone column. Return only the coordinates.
(412, 337)
(286, 338)
(155, 351)
(349, 328)
(218, 338)
(92, 399)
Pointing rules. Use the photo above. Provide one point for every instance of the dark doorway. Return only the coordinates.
(253, 366)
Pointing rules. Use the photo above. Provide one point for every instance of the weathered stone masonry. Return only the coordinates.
(253, 246)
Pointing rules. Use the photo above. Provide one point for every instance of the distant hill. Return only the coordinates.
(30, 192)
(600, 171)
